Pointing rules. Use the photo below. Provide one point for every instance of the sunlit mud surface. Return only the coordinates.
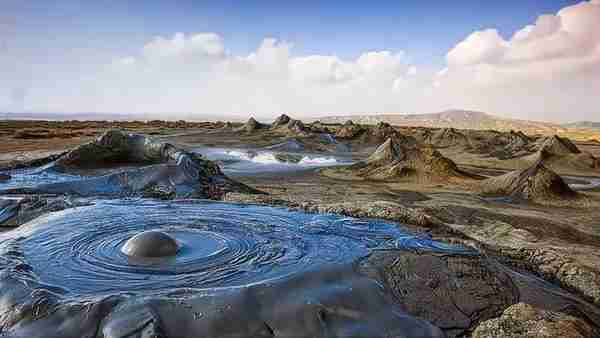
(221, 245)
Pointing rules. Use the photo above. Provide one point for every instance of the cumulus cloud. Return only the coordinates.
(569, 36)
(269, 79)
(549, 69)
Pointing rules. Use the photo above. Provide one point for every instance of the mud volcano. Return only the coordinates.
(120, 164)
(396, 160)
(536, 184)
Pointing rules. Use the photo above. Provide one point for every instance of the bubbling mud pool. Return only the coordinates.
(220, 245)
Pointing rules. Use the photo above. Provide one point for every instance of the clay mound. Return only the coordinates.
(556, 145)
(511, 145)
(349, 130)
(395, 160)
(561, 155)
(536, 183)
(501, 145)
(291, 127)
(167, 171)
(376, 135)
(114, 148)
(282, 120)
(446, 137)
(252, 125)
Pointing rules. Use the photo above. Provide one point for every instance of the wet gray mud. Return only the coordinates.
(247, 271)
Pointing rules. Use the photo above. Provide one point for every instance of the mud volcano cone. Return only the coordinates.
(447, 137)
(282, 120)
(396, 160)
(561, 154)
(288, 126)
(348, 130)
(388, 152)
(556, 145)
(536, 183)
(252, 125)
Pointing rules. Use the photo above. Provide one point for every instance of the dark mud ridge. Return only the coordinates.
(125, 243)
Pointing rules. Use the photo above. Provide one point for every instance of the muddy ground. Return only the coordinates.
(560, 244)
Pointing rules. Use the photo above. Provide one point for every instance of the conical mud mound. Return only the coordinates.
(446, 137)
(288, 126)
(394, 160)
(562, 155)
(556, 145)
(282, 120)
(536, 183)
(349, 130)
(116, 147)
(252, 125)
(389, 152)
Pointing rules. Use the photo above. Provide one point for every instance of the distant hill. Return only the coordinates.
(583, 125)
(460, 119)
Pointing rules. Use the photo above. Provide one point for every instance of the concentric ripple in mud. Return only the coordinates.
(221, 245)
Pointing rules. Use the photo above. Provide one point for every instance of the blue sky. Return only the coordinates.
(344, 28)
(69, 41)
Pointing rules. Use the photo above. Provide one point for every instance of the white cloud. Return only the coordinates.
(571, 33)
(200, 45)
(547, 70)
(321, 69)
(485, 46)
